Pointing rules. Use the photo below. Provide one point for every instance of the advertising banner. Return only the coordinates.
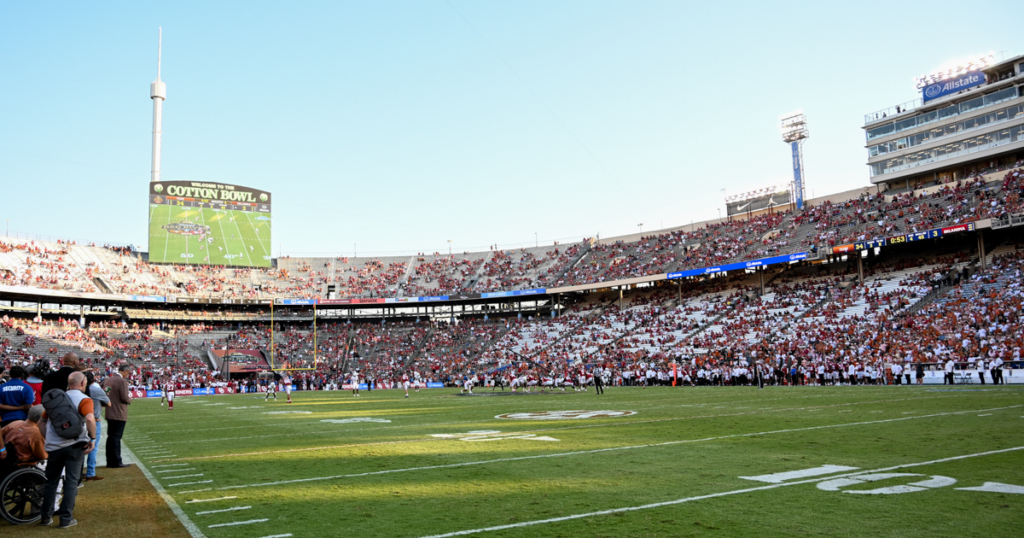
(952, 85)
(842, 249)
(969, 227)
(513, 293)
(763, 262)
(798, 173)
(182, 392)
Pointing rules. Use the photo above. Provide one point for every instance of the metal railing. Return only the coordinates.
(894, 110)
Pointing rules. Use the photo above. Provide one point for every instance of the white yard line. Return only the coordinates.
(232, 509)
(191, 527)
(174, 470)
(182, 476)
(193, 501)
(599, 450)
(251, 521)
(170, 465)
(257, 232)
(190, 483)
(710, 496)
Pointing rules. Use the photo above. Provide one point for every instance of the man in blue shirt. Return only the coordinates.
(16, 397)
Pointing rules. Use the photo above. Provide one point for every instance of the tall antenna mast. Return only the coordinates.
(159, 49)
(158, 93)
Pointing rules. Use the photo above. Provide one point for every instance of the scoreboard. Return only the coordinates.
(202, 223)
(194, 194)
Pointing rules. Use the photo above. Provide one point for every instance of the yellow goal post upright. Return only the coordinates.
(316, 355)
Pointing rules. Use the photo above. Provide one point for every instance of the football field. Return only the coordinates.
(838, 461)
(209, 236)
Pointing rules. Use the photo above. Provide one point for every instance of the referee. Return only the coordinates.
(598, 380)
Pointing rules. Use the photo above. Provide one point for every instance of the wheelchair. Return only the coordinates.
(21, 493)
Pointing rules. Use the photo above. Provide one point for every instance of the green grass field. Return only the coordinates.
(310, 470)
(239, 237)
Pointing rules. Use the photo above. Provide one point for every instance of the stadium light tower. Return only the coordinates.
(794, 132)
(157, 92)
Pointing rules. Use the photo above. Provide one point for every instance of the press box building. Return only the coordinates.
(969, 119)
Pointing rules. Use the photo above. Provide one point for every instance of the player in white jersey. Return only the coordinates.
(467, 385)
(355, 383)
(272, 387)
(288, 387)
(162, 387)
(405, 384)
(581, 379)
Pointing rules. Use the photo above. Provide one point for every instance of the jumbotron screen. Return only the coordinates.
(194, 222)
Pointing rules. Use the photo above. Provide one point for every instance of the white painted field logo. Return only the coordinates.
(565, 415)
(933, 481)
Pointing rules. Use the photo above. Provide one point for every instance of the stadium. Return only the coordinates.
(841, 364)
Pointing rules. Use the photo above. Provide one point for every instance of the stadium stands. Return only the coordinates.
(811, 319)
(70, 267)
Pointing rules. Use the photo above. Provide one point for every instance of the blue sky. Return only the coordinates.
(397, 126)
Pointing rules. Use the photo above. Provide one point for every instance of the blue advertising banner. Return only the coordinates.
(154, 394)
(203, 392)
(798, 180)
(953, 85)
(433, 385)
(298, 301)
(514, 293)
(763, 262)
(434, 298)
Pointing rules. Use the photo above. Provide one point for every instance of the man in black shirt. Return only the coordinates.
(59, 378)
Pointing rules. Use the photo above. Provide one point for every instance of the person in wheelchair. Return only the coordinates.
(22, 449)
(23, 441)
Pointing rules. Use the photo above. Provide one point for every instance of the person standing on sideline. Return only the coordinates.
(99, 401)
(59, 379)
(920, 374)
(16, 397)
(117, 414)
(66, 455)
(948, 380)
(36, 374)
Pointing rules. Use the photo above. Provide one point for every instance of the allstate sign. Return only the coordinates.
(953, 85)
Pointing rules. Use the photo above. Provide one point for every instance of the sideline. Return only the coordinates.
(599, 450)
(191, 527)
(712, 495)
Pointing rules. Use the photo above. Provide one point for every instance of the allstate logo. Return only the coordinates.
(933, 91)
(158, 188)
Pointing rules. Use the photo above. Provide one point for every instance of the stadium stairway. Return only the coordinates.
(419, 347)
